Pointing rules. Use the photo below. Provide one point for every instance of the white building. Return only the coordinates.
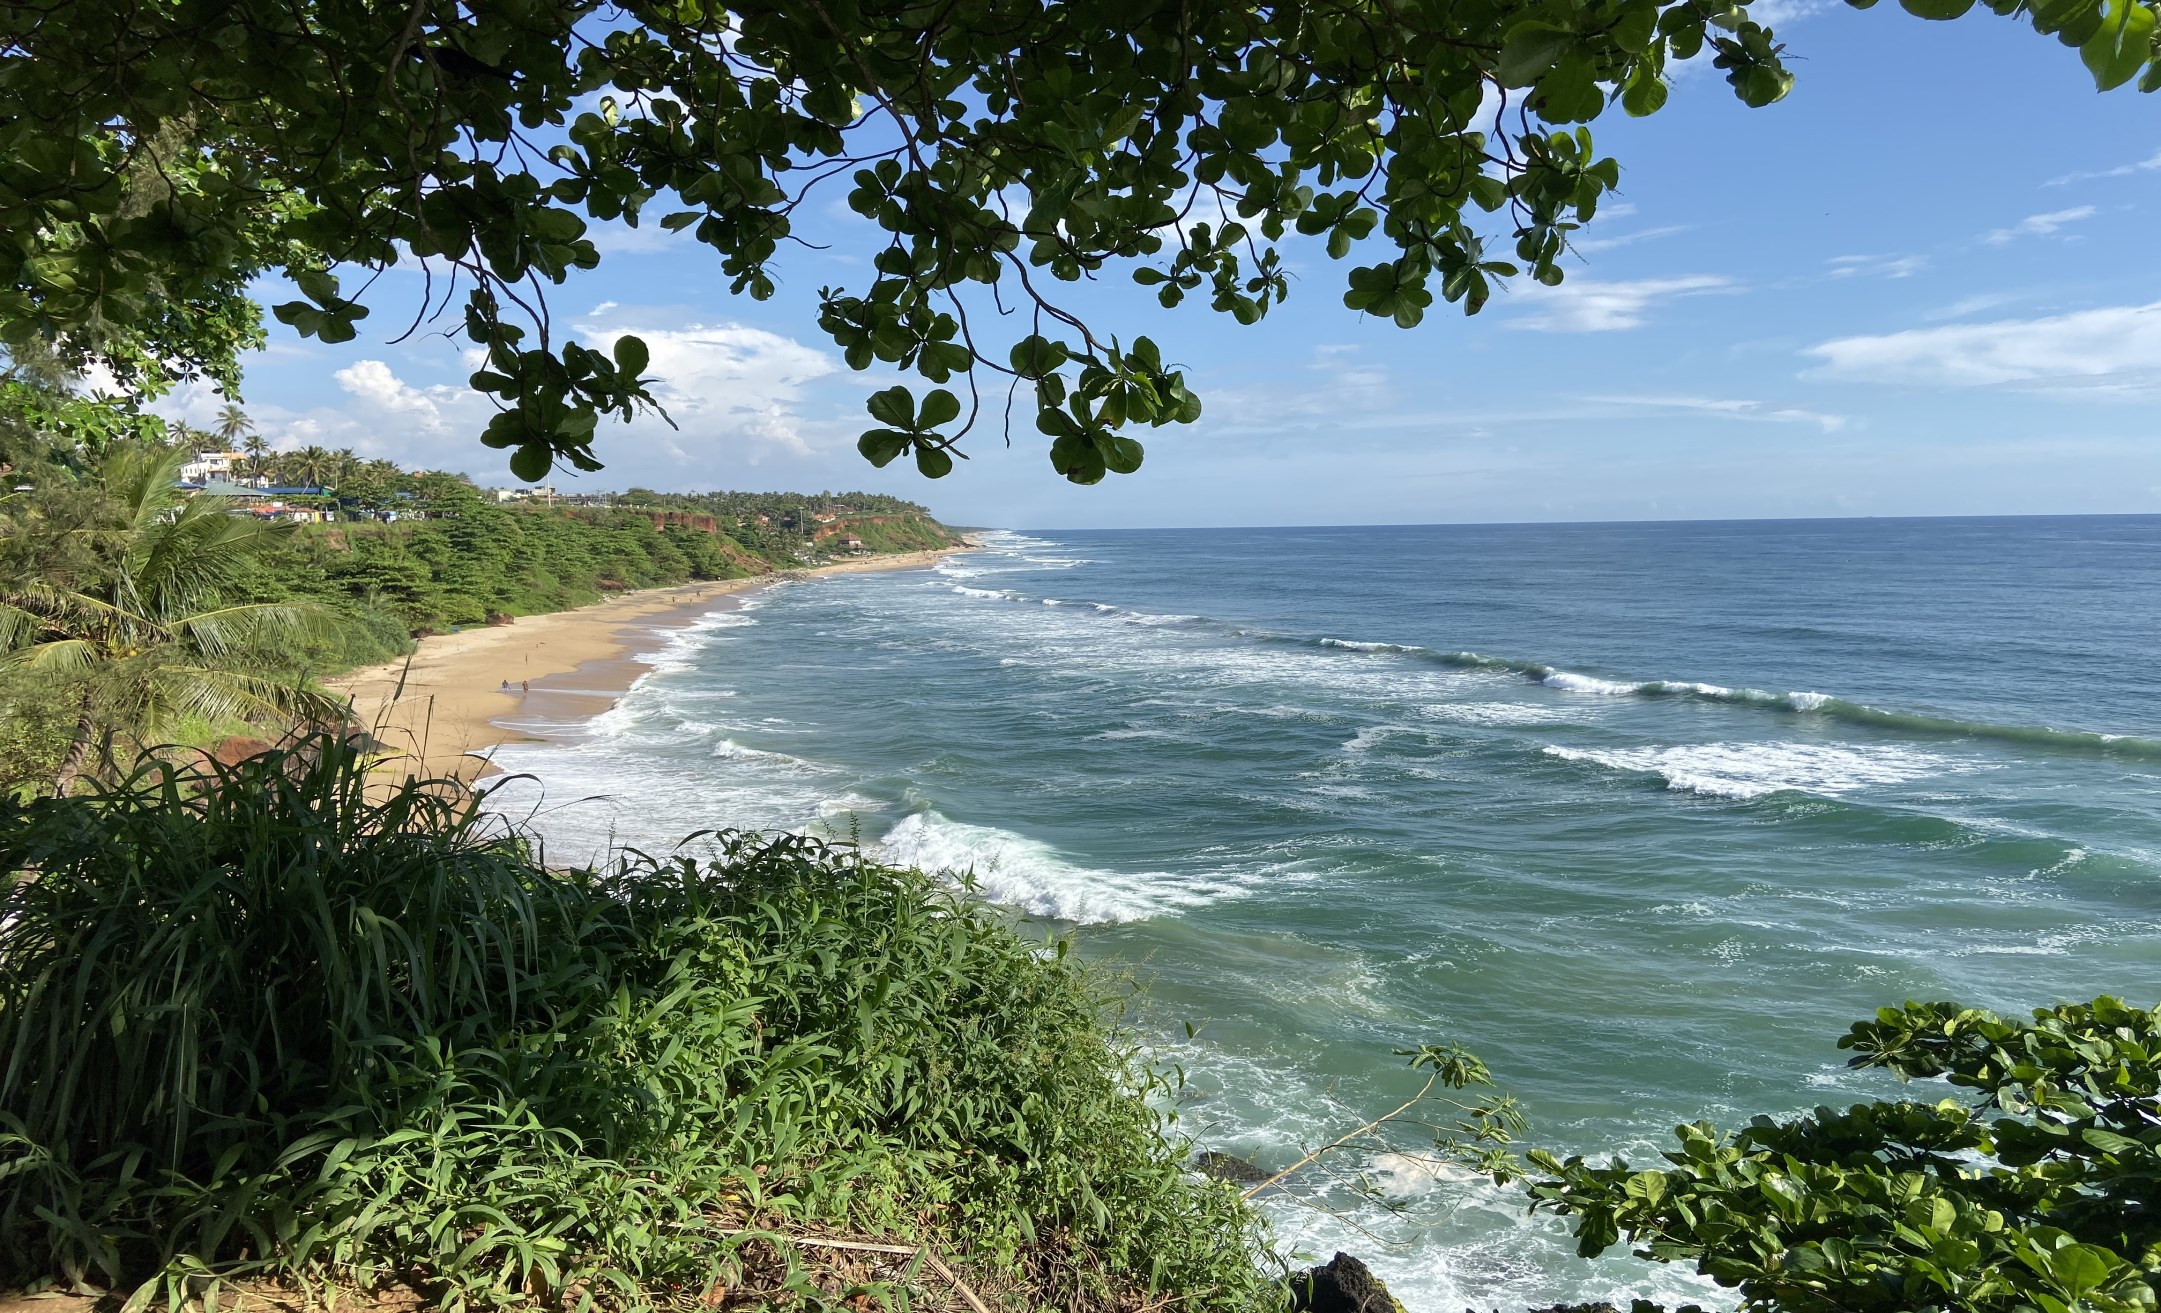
(209, 465)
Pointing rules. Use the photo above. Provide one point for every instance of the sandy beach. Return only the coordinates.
(442, 707)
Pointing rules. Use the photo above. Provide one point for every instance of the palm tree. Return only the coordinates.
(257, 450)
(311, 465)
(143, 638)
(233, 425)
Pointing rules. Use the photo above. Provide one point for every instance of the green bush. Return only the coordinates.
(262, 1022)
(37, 718)
(2041, 1196)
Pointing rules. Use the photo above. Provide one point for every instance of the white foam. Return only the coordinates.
(1364, 739)
(1463, 1243)
(1568, 681)
(1751, 770)
(1496, 713)
(730, 750)
(847, 804)
(1145, 618)
(1699, 690)
(1354, 645)
(1016, 871)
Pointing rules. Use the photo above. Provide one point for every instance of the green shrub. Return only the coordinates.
(261, 1022)
(37, 719)
(2041, 1196)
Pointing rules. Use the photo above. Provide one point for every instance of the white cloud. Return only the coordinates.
(2151, 164)
(1588, 306)
(1783, 13)
(722, 384)
(1591, 245)
(2115, 349)
(1876, 266)
(1729, 408)
(2038, 225)
(649, 238)
(1975, 304)
(379, 389)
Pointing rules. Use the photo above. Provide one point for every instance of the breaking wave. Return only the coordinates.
(1752, 770)
(1825, 705)
(1028, 874)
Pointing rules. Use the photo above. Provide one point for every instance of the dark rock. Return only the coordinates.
(1342, 1285)
(1229, 1167)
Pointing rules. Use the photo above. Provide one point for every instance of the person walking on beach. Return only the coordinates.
(506, 686)
(525, 686)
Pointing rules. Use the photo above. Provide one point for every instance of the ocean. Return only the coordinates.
(1643, 814)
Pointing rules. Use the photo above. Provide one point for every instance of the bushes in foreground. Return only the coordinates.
(2041, 1196)
(257, 1023)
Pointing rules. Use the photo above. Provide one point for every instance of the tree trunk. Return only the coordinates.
(86, 731)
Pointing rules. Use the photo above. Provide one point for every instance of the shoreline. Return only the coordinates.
(443, 708)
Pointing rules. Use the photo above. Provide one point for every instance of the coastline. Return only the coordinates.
(442, 708)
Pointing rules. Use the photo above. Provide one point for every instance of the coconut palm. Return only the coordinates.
(310, 465)
(257, 450)
(141, 638)
(233, 424)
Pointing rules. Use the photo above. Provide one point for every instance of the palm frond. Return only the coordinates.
(142, 480)
(60, 655)
(78, 614)
(200, 553)
(217, 694)
(226, 628)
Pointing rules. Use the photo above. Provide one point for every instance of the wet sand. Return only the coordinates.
(442, 708)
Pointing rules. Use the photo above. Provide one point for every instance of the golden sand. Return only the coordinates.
(441, 707)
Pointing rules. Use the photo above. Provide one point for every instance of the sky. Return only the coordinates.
(1927, 283)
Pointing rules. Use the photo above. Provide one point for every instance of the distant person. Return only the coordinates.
(525, 686)
(506, 686)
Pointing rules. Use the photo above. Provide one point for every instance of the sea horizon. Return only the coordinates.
(1530, 524)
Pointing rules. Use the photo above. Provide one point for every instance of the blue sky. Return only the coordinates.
(1925, 284)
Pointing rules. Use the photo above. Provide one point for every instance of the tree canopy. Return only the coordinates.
(157, 157)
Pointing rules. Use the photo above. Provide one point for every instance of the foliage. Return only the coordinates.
(159, 155)
(36, 728)
(269, 1021)
(127, 609)
(2039, 1195)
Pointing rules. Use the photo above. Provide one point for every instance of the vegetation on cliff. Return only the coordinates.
(132, 613)
(258, 1023)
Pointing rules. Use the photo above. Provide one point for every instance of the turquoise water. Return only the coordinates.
(1644, 814)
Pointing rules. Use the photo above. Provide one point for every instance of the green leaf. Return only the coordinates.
(2116, 53)
(631, 355)
(895, 406)
(1635, 28)
(1121, 455)
(933, 462)
(2110, 1141)
(1529, 50)
(939, 407)
(1645, 94)
(1936, 10)
(1034, 356)
(530, 462)
(880, 446)
(2077, 1269)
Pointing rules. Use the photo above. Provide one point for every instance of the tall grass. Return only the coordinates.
(258, 1022)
